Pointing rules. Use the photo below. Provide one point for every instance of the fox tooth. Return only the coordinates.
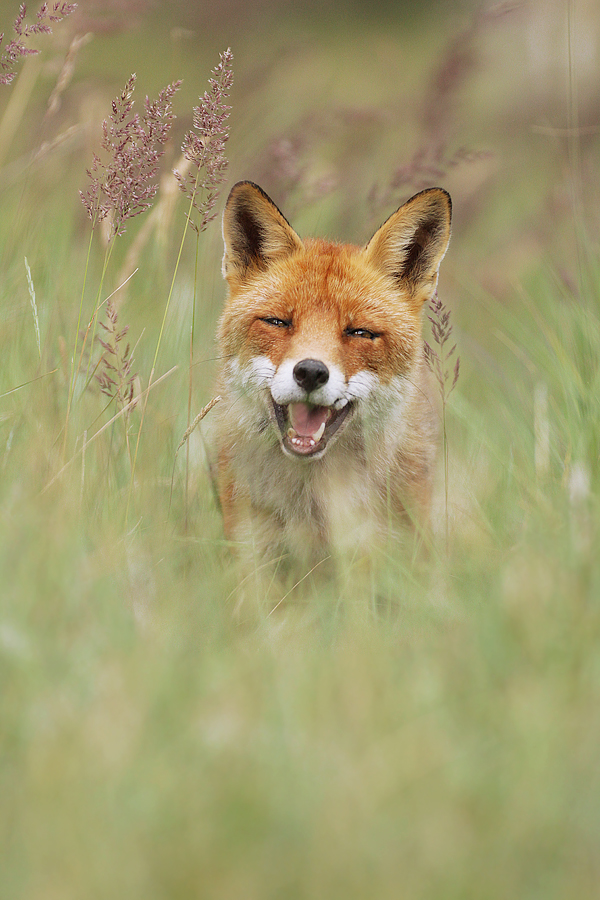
(291, 434)
(319, 434)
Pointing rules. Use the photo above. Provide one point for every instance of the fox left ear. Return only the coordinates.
(411, 244)
(255, 233)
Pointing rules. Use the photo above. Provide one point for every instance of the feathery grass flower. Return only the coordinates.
(438, 363)
(204, 145)
(115, 376)
(17, 48)
(122, 183)
(204, 149)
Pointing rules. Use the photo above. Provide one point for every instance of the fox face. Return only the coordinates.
(321, 339)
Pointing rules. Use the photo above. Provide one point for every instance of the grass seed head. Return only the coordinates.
(122, 181)
(17, 47)
(204, 146)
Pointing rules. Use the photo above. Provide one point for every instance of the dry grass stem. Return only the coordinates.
(203, 412)
(66, 73)
(36, 321)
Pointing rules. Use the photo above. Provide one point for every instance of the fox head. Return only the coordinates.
(315, 335)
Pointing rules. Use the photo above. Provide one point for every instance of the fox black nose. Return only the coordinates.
(310, 374)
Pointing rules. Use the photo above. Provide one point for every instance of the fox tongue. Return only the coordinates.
(308, 421)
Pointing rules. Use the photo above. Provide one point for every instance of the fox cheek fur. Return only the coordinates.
(322, 371)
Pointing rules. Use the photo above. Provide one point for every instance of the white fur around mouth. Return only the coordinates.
(305, 429)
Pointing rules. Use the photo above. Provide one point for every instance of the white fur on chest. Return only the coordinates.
(322, 506)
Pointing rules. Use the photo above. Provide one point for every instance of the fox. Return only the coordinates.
(326, 433)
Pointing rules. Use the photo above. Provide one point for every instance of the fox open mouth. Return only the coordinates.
(306, 429)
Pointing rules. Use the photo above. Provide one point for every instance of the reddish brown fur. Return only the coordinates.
(345, 287)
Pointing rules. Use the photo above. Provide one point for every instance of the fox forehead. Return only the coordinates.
(320, 291)
(324, 278)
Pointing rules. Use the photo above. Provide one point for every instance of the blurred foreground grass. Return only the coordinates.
(434, 736)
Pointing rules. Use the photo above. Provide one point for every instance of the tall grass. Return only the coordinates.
(431, 734)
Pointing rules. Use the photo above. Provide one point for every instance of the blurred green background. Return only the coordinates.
(433, 735)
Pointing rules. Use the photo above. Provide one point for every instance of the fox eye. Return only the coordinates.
(362, 333)
(277, 323)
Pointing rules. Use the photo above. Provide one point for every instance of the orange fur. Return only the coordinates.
(326, 433)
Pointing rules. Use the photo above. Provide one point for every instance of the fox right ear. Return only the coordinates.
(255, 233)
(411, 244)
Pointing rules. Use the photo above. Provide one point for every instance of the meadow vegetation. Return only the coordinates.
(434, 734)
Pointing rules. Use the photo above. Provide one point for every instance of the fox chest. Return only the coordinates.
(313, 511)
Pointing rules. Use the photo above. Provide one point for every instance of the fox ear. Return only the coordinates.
(411, 244)
(255, 233)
